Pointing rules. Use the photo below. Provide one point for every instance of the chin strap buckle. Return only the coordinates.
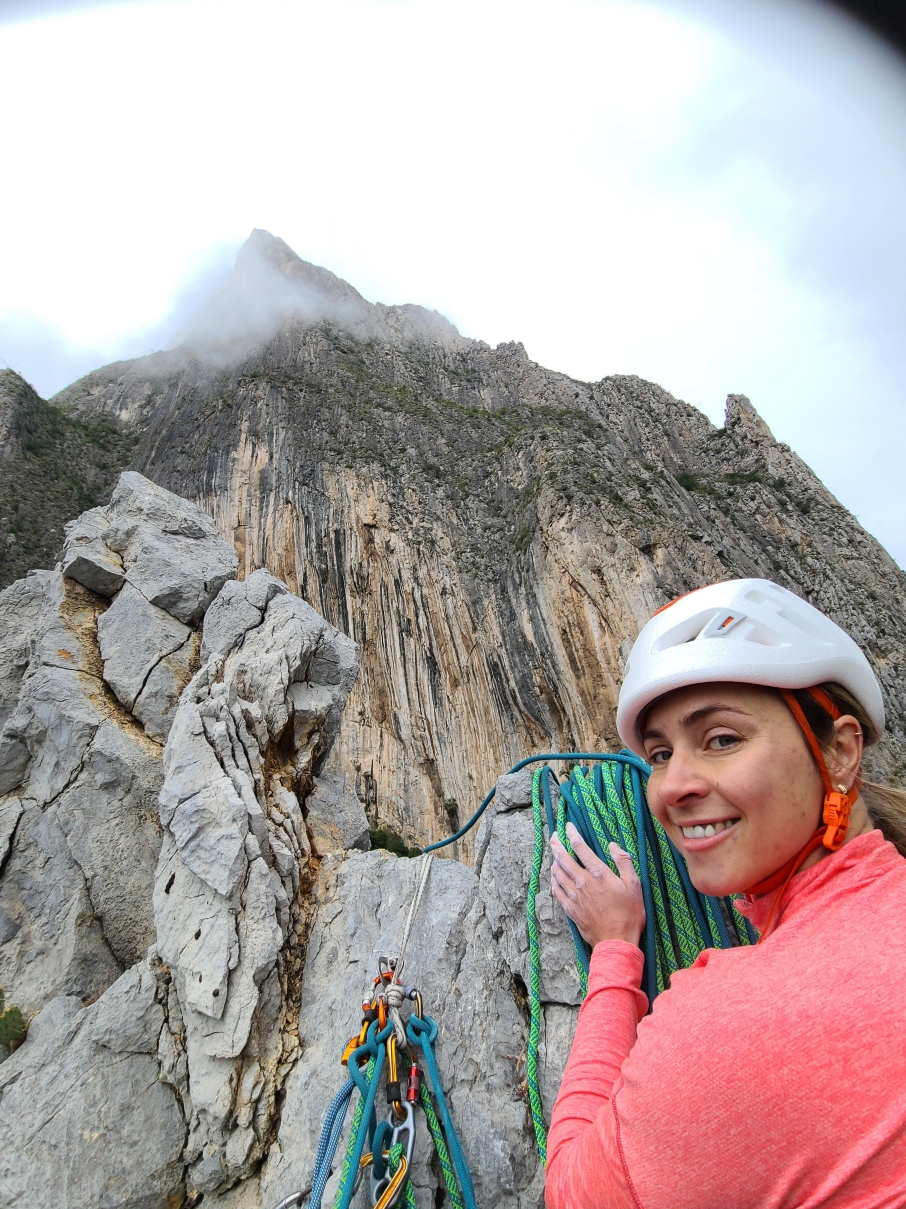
(837, 807)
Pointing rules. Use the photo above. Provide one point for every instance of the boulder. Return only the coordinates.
(170, 549)
(135, 636)
(86, 556)
(514, 790)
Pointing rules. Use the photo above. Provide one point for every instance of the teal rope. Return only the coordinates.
(375, 1049)
(423, 1033)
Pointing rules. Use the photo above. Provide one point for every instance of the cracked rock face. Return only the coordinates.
(190, 925)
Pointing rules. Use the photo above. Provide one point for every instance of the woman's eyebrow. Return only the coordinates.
(698, 714)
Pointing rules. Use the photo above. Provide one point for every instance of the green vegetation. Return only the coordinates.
(391, 841)
(12, 1025)
(56, 465)
(751, 476)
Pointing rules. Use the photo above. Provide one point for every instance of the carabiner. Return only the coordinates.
(405, 1129)
(294, 1199)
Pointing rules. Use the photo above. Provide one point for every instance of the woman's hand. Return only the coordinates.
(600, 904)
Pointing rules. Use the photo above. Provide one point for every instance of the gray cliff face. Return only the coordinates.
(189, 913)
(491, 534)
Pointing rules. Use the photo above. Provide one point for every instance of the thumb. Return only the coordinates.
(624, 864)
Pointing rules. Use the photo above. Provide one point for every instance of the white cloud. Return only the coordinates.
(704, 194)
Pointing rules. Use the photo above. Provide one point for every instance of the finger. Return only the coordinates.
(625, 865)
(562, 858)
(563, 888)
(590, 860)
(562, 898)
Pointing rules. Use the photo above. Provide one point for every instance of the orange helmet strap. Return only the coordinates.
(837, 800)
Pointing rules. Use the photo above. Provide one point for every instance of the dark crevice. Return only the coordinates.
(12, 842)
(154, 666)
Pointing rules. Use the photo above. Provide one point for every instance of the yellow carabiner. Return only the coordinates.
(391, 1193)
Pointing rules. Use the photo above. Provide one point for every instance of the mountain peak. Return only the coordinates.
(271, 285)
(262, 248)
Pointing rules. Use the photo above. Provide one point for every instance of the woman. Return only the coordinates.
(767, 1076)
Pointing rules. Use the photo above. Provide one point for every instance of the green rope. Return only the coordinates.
(408, 1196)
(535, 971)
(608, 803)
(440, 1146)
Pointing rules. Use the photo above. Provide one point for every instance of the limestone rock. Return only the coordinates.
(227, 890)
(453, 958)
(83, 1114)
(170, 548)
(230, 857)
(514, 790)
(88, 559)
(76, 890)
(156, 703)
(335, 816)
(505, 842)
(20, 608)
(238, 608)
(135, 636)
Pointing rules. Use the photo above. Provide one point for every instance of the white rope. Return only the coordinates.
(395, 990)
(423, 881)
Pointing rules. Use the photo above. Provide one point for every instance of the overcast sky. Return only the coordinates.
(708, 194)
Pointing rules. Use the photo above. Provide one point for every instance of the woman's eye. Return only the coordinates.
(721, 742)
(659, 757)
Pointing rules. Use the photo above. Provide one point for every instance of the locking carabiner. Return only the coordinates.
(379, 1187)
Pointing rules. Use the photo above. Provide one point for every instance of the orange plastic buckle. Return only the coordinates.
(837, 807)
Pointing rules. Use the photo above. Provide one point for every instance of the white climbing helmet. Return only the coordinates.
(750, 631)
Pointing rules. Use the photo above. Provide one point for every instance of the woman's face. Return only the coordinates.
(733, 783)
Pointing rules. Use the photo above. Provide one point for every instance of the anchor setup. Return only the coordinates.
(384, 1046)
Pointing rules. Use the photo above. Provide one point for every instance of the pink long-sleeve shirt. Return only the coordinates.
(765, 1078)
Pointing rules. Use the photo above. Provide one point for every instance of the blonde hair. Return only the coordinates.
(886, 806)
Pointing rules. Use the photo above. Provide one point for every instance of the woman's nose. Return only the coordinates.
(681, 783)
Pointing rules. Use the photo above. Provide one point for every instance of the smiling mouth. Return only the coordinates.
(702, 831)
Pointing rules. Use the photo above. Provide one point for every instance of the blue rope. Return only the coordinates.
(329, 1141)
(550, 755)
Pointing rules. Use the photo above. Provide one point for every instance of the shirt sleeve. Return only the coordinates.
(585, 1168)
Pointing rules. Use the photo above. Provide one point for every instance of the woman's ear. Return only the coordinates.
(844, 754)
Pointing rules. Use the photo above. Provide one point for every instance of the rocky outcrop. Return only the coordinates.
(491, 534)
(189, 918)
